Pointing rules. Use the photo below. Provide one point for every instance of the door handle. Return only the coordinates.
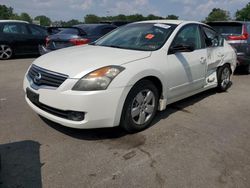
(203, 60)
(220, 55)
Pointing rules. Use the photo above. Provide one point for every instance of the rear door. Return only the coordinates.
(215, 49)
(186, 70)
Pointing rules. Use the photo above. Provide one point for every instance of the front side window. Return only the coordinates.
(138, 36)
(188, 36)
(13, 28)
(10, 28)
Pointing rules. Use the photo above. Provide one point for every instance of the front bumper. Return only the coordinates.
(101, 108)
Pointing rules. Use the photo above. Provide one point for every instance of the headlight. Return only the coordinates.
(98, 79)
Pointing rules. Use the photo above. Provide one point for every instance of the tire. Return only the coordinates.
(224, 78)
(6, 52)
(138, 112)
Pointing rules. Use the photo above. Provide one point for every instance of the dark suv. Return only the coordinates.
(237, 34)
(19, 38)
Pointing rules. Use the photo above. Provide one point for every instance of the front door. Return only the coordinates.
(186, 70)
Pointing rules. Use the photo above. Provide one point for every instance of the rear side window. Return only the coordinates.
(209, 33)
(37, 31)
(214, 38)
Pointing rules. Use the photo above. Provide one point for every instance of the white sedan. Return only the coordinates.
(125, 77)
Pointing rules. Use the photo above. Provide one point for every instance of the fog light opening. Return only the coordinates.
(76, 116)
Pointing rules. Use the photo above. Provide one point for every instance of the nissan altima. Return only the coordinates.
(125, 77)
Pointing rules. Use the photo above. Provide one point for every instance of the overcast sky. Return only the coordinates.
(77, 9)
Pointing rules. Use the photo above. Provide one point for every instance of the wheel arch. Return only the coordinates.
(227, 64)
(156, 79)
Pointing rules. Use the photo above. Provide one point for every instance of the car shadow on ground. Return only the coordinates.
(87, 134)
(240, 71)
(20, 165)
(116, 132)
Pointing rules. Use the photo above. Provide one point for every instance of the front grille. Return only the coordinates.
(44, 77)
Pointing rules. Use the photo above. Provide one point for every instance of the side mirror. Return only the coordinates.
(209, 42)
(181, 48)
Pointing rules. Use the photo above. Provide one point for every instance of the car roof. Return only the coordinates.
(93, 25)
(177, 22)
(19, 21)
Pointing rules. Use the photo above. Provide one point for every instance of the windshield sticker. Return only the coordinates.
(164, 26)
(149, 36)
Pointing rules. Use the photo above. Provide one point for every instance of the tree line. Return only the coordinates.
(216, 14)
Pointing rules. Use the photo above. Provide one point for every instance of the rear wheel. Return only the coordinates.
(140, 107)
(224, 77)
(5, 52)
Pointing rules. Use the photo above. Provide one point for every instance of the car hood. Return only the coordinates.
(80, 60)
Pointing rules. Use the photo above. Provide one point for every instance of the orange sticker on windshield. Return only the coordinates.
(149, 36)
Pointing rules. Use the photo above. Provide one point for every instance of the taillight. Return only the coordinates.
(244, 36)
(47, 41)
(79, 41)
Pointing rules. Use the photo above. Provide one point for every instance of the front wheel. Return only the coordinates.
(5, 52)
(140, 107)
(224, 78)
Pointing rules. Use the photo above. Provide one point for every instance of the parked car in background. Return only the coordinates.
(20, 38)
(127, 75)
(238, 35)
(76, 35)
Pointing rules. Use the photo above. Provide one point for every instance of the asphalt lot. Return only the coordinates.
(202, 141)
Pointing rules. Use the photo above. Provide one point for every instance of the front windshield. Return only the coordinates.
(138, 36)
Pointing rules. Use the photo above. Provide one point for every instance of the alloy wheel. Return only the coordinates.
(225, 77)
(143, 106)
(5, 52)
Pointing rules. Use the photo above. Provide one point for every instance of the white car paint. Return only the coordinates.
(181, 75)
